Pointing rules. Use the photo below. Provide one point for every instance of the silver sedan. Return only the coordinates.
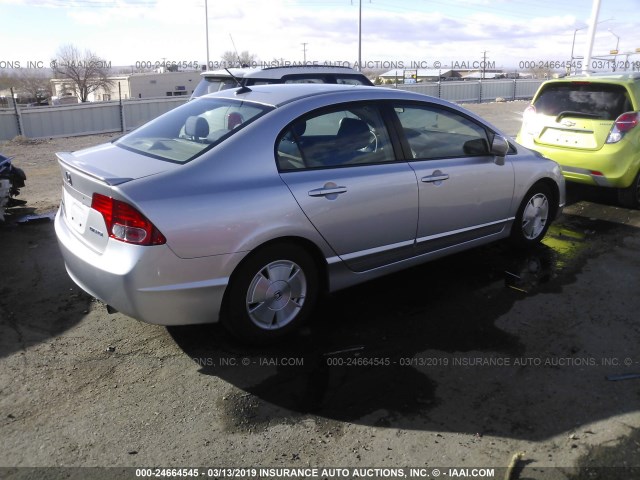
(245, 205)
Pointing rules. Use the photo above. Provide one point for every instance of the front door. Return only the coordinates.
(463, 193)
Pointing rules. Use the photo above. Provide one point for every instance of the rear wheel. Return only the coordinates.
(533, 217)
(271, 293)
(630, 197)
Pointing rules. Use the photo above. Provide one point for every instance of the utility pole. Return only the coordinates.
(206, 26)
(484, 63)
(360, 36)
(304, 51)
(359, 33)
(595, 9)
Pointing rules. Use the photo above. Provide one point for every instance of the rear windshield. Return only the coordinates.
(353, 80)
(328, 78)
(185, 132)
(342, 79)
(213, 84)
(593, 100)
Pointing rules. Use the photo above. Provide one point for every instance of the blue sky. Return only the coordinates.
(125, 32)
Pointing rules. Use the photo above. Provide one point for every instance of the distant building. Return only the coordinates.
(435, 75)
(421, 75)
(486, 74)
(6, 100)
(136, 85)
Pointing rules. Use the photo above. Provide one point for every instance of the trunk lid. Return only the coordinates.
(574, 132)
(98, 170)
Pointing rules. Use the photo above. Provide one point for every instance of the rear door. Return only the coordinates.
(342, 168)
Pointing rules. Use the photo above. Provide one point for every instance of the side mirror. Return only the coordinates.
(499, 148)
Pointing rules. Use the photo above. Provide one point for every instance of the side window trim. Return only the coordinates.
(399, 141)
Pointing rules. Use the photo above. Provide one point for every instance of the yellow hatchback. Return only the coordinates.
(589, 125)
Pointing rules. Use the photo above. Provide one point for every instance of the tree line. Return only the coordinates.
(85, 71)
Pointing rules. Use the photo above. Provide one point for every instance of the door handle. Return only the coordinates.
(436, 177)
(325, 191)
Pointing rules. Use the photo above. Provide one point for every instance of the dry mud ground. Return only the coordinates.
(459, 363)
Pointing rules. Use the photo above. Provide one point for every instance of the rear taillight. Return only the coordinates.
(627, 121)
(623, 124)
(125, 223)
(530, 121)
(528, 112)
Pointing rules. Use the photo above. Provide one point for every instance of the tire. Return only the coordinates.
(630, 197)
(534, 216)
(271, 293)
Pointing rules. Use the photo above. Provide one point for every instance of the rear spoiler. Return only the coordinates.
(70, 160)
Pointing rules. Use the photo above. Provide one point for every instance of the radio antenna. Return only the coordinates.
(236, 50)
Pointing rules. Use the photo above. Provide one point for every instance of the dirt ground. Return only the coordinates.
(460, 363)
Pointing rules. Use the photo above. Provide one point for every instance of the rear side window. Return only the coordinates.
(597, 100)
(345, 136)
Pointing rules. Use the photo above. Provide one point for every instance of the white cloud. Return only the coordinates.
(132, 30)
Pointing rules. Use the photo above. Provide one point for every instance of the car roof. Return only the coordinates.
(279, 72)
(280, 94)
(277, 95)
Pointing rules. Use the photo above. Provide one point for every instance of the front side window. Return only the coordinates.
(344, 136)
(185, 132)
(434, 132)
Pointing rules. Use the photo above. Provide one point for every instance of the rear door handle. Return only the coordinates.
(436, 177)
(326, 191)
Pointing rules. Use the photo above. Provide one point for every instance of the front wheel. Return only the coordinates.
(533, 217)
(630, 197)
(271, 293)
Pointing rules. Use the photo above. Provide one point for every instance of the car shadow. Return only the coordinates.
(577, 192)
(38, 300)
(425, 348)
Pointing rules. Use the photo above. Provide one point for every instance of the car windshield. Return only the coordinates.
(212, 85)
(594, 100)
(185, 132)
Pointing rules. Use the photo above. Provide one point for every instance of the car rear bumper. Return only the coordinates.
(583, 175)
(151, 284)
(614, 165)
